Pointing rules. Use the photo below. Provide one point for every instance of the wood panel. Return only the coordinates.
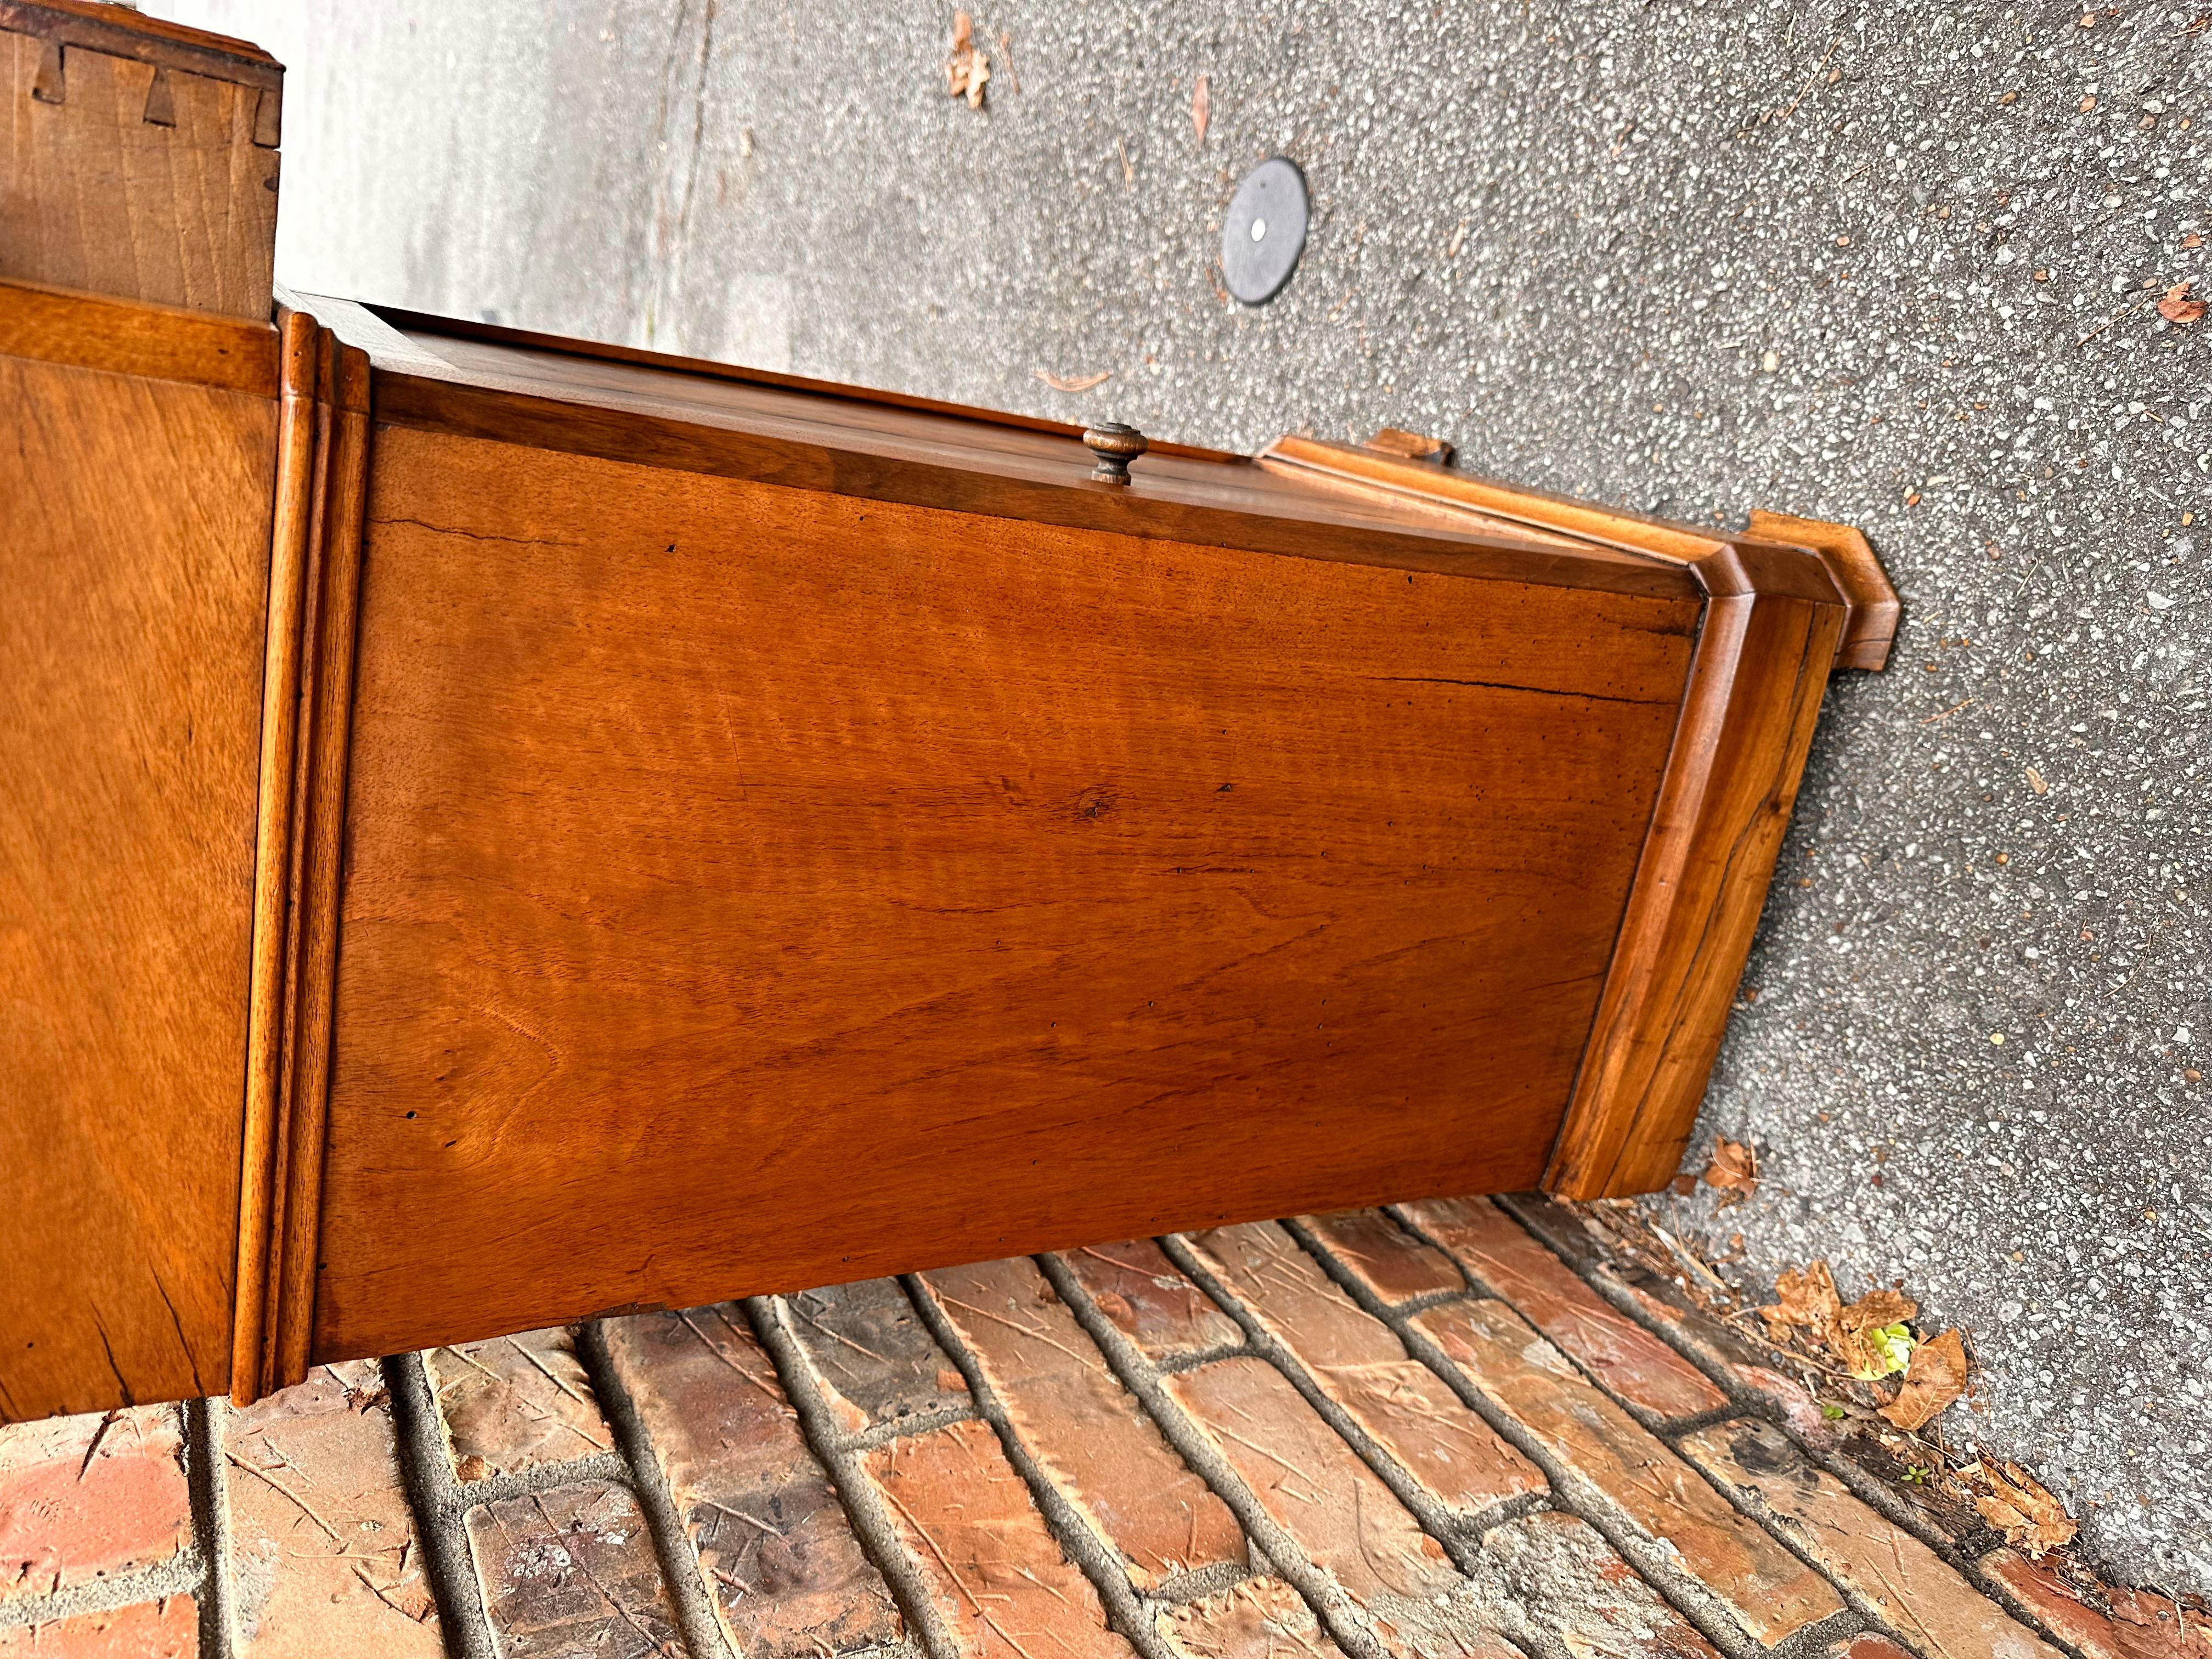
(750, 887)
(136, 552)
(1784, 613)
(136, 158)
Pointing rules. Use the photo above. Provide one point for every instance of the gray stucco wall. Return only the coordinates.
(1894, 265)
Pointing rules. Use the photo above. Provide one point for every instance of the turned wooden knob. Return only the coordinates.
(1115, 446)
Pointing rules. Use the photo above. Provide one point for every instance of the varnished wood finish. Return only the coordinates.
(1875, 610)
(134, 551)
(1772, 630)
(159, 343)
(749, 886)
(328, 633)
(138, 158)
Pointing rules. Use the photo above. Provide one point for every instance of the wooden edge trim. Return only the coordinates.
(1754, 693)
(132, 337)
(1725, 564)
(491, 333)
(272, 847)
(1857, 570)
(326, 716)
(459, 408)
(1629, 532)
(121, 32)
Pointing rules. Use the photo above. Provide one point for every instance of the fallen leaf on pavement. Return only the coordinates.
(1075, 382)
(1807, 1299)
(1936, 1376)
(2018, 1506)
(1198, 112)
(2176, 306)
(1734, 1169)
(2035, 781)
(967, 69)
(1877, 1307)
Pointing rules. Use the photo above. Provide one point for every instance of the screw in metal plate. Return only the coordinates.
(1265, 232)
(1115, 446)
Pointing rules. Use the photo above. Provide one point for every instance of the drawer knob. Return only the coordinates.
(1115, 446)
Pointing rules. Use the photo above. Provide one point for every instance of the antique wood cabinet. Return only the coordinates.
(498, 829)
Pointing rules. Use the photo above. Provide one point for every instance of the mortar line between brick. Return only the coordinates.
(427, 1471)
(206, 1421)
(1327, 1600)
(1456, 1534)
(680, 1569)
(865, 1509)
(545, 1477)
(1579, 1495)
(1858, 1481)
(180, 1575)
(1097, 1558)
(1460, 1536)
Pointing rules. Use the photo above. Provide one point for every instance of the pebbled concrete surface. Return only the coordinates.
(1895, 264)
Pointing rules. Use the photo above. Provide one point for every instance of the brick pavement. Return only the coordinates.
(1452, 1429)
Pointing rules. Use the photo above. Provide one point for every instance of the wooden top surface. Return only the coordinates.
(125, 32)
(530, 389)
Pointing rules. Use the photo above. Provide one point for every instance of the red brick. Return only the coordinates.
(2097, 1620)
(1336, 1510)
(1910, 1587)
(1358, 1363)
(875, 1359)
(327, 1561)
(995, 1573)
(1258, 1619)
(1619, 1353)
(1771, 1593)
(1086, 1432)
(1149, 1300)
(516, 1403)
(1575, 1589)
(146, 1630)
(571, 1571)
(780, 1558)
(91, 1497)
(1866, 1645)
(1747, 1367)
(1389, 1262)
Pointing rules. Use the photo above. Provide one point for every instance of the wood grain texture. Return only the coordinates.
(1874, 610)
(1755, 690)
(136, 164)
(752, 887)
(134, 548)
(326, 700)
(160, 342)
(628, 412)
(275, 871)
(1779, 609)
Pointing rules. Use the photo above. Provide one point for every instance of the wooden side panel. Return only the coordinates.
(133, 175)
(748, 888)
(134, 550)
(1755, 691)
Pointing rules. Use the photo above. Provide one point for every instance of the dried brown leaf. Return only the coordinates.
(1936, 1376)
(1877, 1307)
(2017, 1505)
(1074, 382)
(1199, 110)
(967, 69)
(2176, 306)
(1807, 1299)
(2035, 781)
(1734, 1168)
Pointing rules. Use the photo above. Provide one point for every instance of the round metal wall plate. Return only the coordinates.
(1266, 231)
